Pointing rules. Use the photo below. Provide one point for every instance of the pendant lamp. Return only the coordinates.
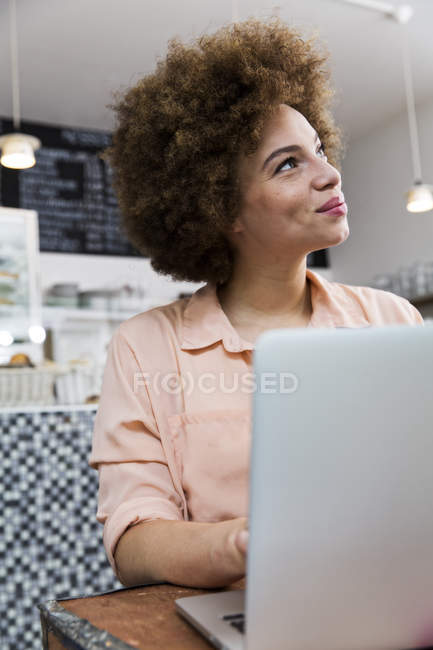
(419, 198)
(17, 149)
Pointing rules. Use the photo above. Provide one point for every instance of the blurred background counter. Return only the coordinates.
(50, 542)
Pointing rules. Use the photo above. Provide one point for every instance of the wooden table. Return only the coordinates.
(140, 617)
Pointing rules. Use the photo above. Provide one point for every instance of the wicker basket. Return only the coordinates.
(28, 386)
(75, 385)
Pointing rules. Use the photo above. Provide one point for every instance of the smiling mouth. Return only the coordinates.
(332, 203)
(337, 210)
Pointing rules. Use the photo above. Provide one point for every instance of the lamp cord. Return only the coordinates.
(410, 102)
(14, 65)
(383, 7)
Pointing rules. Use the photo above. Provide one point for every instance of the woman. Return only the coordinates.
(225, 163)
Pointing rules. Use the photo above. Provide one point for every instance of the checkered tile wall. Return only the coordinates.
(50, 542)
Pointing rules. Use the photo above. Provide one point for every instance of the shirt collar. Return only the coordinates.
(335, 304)
(205, 322)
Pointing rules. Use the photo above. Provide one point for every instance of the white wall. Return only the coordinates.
(377, 171)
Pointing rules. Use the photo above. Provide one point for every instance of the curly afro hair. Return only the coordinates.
(180, 131)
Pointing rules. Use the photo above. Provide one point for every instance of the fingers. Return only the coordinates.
(241, 541)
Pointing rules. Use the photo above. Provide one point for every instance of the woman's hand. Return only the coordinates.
(189, 553)
(242, 537)
(231, 545)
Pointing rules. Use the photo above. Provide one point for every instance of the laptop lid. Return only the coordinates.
(341, 490)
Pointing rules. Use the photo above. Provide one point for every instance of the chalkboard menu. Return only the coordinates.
(70, 189)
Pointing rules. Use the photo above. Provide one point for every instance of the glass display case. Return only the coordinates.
(20, 293)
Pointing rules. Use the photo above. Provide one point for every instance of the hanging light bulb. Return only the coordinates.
(17, 148)
(420, 198)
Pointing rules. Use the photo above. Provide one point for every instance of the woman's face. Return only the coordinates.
(281, 192)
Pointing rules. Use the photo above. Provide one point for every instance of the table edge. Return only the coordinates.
(76, 633)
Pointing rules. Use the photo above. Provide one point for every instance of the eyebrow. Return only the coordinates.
(288, 149)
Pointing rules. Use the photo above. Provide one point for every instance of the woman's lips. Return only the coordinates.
(338, 211)
(332, 203)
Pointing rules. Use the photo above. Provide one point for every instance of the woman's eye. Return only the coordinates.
(284, 163)
(322, 150)
(287, 161)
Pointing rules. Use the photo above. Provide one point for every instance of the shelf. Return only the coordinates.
(51, 314)
(68, 313)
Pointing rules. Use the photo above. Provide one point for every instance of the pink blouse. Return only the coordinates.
(172, 431)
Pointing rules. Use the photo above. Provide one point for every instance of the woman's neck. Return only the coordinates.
(269, 300)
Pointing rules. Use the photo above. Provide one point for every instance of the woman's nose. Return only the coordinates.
(326, 175)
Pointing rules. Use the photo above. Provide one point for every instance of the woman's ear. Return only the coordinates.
(236, 226)
(230, 233)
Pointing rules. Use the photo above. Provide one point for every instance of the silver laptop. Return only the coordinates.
(341, 496)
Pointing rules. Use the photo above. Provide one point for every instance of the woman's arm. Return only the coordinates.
(193, 554)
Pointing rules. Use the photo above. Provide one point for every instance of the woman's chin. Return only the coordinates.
(340, 235)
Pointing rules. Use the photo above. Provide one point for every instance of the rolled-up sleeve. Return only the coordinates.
(134, 479)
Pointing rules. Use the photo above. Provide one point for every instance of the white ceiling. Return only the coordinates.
(73, 53)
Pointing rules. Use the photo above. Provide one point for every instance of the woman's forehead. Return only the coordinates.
(288, 122)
